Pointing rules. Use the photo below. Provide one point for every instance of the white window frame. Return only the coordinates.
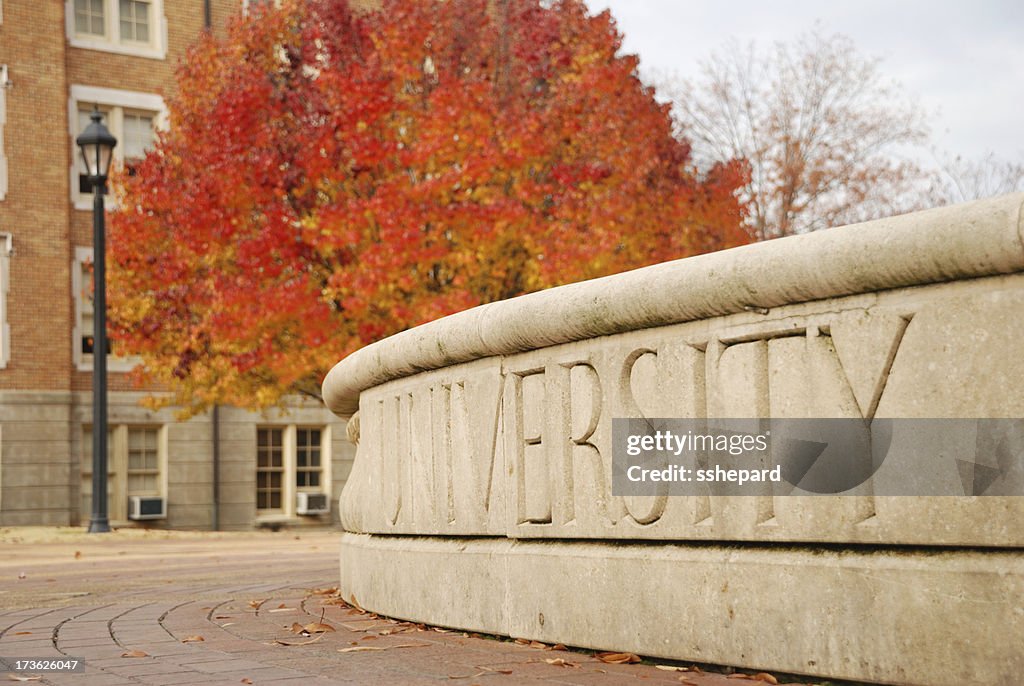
(6, 250)
(83, 361)
(4, 84)
(117, 101)
(289, 443)
(117, 478)
(246, 3)
(111, 41)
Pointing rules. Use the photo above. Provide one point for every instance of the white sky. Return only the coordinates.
(962, 60)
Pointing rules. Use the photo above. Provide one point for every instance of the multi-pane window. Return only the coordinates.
(269, 469)
(290, 460)
(6, 248)
(143, 461)
(134, 17)
(135, 467)
(127, 27)
(307, 458)
(137, 134)
(89, 17)
(82, 341)
(134, 130)
(86, 327)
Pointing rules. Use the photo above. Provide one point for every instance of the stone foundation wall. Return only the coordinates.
(495, 424)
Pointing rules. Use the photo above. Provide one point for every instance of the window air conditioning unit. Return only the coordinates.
(312, 503)
(146, 507)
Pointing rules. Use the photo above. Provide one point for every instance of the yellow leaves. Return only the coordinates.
(618, 658)
(763, 677)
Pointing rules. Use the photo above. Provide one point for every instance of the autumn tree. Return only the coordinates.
(330, 177)
(823, 131)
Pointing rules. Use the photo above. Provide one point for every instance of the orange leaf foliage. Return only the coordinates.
(330, 177)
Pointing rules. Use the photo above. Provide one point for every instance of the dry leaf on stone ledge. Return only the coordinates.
(618, 658)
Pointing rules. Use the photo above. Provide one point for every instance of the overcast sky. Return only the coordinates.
(962, 60)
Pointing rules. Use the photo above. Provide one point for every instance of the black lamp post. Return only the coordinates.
(97, 149)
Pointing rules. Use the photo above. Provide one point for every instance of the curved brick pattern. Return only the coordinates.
(241, 623)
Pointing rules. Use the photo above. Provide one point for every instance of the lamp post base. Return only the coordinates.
(99, 526)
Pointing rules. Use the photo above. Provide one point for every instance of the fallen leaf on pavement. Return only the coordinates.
(466, 676)
(18, 677)
(246, 680)
(740, 676)
(283, 609)
(22, 633)
(255, 604)
(618, 658)
(192, 639)
(559, 646)
(672, 668)
(135, 653)
(317, 627)
(765, 677)
(357, 649)
(559, 662)
(78, 554)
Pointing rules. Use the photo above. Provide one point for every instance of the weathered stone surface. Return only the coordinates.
(497, 422)
(520, 445)
(941, 619)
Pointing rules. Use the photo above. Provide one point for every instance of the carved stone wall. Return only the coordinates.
(496, 424)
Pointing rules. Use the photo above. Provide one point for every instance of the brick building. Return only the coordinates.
(58, 60)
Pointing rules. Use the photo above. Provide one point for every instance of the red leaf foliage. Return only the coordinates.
(330, 177)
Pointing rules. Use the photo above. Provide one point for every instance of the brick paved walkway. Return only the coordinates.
(217, 609)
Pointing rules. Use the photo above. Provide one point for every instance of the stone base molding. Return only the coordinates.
(942, 618)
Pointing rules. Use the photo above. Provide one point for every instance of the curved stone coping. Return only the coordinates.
(965, 241)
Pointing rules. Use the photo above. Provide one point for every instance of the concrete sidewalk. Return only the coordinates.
(217, 608)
